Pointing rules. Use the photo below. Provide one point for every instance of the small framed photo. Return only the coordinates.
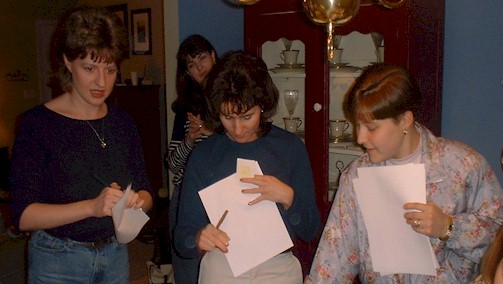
(141, 32)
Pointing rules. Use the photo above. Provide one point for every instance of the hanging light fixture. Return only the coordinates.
(391, 4)
(336, 13)
(331, 13)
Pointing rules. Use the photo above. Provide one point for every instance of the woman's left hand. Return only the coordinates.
(135, 201)
(428, 219)
(198, 125)
(270, 188)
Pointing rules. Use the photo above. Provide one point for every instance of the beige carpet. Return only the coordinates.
(139, 254)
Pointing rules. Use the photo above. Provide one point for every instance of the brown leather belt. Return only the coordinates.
(95, 245)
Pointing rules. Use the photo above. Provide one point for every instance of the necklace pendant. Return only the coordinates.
(103, 144)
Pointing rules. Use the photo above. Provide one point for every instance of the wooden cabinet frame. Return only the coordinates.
(413, 37)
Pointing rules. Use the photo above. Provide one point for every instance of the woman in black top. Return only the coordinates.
(71, 157)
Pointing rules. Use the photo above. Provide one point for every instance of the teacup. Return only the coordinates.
(380, 53)
(292, 123)
(338, 127)
(289, 56)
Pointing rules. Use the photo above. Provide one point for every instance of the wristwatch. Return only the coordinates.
(448, 233)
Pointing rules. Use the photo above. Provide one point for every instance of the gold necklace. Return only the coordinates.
(103, 144)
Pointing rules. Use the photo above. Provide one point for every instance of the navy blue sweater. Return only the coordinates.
(279, 153)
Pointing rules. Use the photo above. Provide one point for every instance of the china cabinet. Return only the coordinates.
(413, 38)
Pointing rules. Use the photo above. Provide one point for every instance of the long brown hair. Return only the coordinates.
(189, 92)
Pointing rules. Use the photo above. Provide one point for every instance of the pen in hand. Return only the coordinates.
(100, 180)
(113, 185)
(222, 219)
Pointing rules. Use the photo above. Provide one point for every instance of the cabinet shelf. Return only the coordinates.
(345, 74)
(288, 74)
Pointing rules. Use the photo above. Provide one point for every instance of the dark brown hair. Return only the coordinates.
(189, 92)
(384, 91)
(243, 82)
(88, 31)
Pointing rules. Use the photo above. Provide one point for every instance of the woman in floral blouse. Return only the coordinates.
(464, 199)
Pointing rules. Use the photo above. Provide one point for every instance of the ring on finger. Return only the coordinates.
(417, 224)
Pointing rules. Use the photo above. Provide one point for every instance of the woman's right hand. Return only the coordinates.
(210, 237)
(103, 203)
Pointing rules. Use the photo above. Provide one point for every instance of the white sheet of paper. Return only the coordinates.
(127, 221)
(394, 246)
(257, 232)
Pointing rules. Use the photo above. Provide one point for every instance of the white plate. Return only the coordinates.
(344, 69)
(301, 133)
(287, 70)
(291, 66)
(347, 137)
(337, 65)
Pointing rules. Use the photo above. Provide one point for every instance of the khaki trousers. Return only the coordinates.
(282, 269)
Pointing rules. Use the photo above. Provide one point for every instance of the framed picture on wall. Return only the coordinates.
(141, 32)
(122, 12)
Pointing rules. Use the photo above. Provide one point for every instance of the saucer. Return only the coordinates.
(287, 70)
(346, 137)
(344, 69)
(337, 65)
(291, 66)
(300, 133)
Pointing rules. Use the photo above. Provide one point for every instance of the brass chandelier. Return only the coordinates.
(331, 13)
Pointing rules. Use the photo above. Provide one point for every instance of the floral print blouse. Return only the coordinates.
(459, 181)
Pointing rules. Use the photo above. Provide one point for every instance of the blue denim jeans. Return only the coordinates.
(53, 260)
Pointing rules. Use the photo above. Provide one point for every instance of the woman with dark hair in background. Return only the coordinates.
(195, 59)
(72, 156)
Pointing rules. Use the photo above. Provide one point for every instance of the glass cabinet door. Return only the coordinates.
(289, 78)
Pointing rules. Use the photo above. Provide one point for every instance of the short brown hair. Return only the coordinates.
(384, 91)
(88, 31)
(242, 81)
